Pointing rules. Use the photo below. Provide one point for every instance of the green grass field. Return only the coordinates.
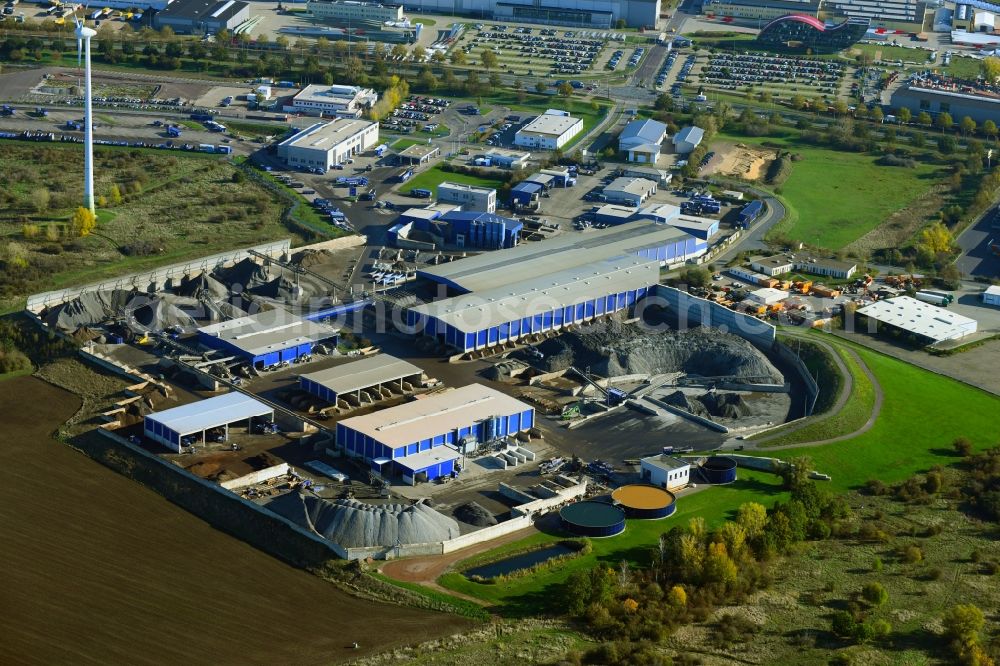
(430, 179)
(865, 193)
(855, 413)
(922, 414)
(890, 53)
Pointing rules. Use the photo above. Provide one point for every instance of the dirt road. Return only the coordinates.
(97, 569)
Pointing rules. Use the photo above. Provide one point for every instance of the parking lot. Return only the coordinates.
(416, 114)
(781, 75)
(535, 51)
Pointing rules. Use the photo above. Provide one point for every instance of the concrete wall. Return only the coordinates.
(693, 310)
(254, 478)
(354, 240)
(812, 388)
(708, 423)
(158, 277)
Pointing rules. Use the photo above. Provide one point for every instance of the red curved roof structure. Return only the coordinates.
(801, 18)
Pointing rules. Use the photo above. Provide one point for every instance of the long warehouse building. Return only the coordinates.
(266, 338)
(173, 427)
(423, 439)
(372, 375)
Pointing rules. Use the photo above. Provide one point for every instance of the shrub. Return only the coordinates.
(875, 487)
(912, 554)
(875, 594)
(962, 446)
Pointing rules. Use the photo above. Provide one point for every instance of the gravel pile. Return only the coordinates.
(615, 349)
(476, 514)
(310, 258)
(354, 524)
(203, 284)
(88, 309)
(725, 405)
(680, 399)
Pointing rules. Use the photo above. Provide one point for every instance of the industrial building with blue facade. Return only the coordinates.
(424, 439)
(267, 338)
(548, 285)
(464, 229)
(362, 380)
(525, 193)
(174, 428)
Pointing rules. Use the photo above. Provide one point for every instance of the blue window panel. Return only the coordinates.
(305, 348)
(588, 308)
(288, 354)
(438, 441)
(476, 432)
(411, 449)
(514, 422)
(504, 332)
(547, 320)
(557, 317)
(579, 312)
(463, 432)
(599, 306)
(527, 419)
(449, 438)
(470, 341)
(526, 326)
(481, 339)
(494, 333)
(609, 303)
(567, 314)
(630, 297)
(515, 328)
(399, 452)
(536, 323)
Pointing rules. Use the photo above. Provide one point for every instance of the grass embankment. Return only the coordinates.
(922, 414)
(434, 176)
(865, 192)
(855, 412)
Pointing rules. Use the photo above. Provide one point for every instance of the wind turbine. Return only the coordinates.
(83, 35)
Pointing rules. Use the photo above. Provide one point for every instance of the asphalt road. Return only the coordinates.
(754, 238)
(976, 258)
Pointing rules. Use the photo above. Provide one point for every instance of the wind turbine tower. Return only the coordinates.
(83, 35)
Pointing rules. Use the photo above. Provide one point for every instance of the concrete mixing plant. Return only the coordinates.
(83, 35)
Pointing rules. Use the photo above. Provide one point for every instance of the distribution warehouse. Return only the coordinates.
(550, 284)
(325, 144)
(421, 440)
(173, 426)
(266, 338)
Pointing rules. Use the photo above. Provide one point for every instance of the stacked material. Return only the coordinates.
(476, 514)
(354, 524)
(616, 348)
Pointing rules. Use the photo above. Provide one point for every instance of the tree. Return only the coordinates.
(419, 53)
(489, 60)
(427, 80)
(40, 198)
(963, 623)
(877, 115)
(495, 81)
(167, 33)
(540, 87)
(752, 517)
(719, 567)
(944, 121)
(946, 144)
(904, 115)
(842, 624)
(990, 129)
(799, 102)
(697, 276)
(840, 107)
(438, 57)
(875, 594)
(962, 446)
(458, 57)
(677, 597)
(967, 125)
(990, 68)
(796, 472)
(937, 238)
(83, 221)
(565, 90)
(924, 119)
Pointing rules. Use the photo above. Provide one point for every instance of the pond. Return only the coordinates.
(518, 562)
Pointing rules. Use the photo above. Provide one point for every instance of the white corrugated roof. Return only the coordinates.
(919, 318)
(268, 331)
(210, 413)
(435, 415)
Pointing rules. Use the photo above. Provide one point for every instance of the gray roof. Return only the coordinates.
(643, 132)
(210, 413)
(203, 10)
(690, 134)
(636, 186)
(663, 461)
(492, 307)
(562, 252)
(363, 373)
(268, 331)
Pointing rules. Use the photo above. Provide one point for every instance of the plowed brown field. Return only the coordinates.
(95, 569)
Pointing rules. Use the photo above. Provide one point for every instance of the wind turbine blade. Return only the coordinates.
(79, 51)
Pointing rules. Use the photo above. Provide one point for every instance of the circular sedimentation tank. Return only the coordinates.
(644, 501)
(719, 469)
(593, 519)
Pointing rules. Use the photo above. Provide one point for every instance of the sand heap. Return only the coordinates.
(615, 349)
(354, 524)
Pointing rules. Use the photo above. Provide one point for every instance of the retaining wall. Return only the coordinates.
(158, 276)
(708, 423)
(341, 243)
(759, 388)
(691, 309)
(812, 388)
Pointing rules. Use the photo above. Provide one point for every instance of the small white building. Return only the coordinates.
(665, 471)
(992, 295)
(688, 139)
(508, 159)
(548, 131)
(767, 296)
(325, 144)
(640, 140)
(341, 101)
(469, 197)
(629, 191)
(923, 320)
